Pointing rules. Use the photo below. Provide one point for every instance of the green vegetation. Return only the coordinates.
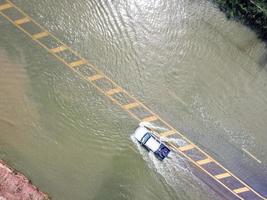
(250, 12)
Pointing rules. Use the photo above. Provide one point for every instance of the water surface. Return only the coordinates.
(203, 74)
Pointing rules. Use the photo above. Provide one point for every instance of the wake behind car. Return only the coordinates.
(149, 141)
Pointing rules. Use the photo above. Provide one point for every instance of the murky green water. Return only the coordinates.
(203, 74)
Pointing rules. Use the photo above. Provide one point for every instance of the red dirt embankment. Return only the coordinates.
(15, 186)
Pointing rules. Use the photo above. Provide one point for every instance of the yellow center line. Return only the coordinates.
(150, 118)
(76, 63)
(167, 133)
(99, 75)
(114, 91)
(240, 190)
(130, 105)
(59, 49)
(204, 161)
(5, 6)
(95, 77)
(187, 147)
(40, 35)
(22, 21)
(190, 159)
(223, 175)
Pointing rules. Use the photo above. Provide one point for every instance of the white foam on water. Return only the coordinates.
(175, 169)
(169, 168)
(177, 141)
(152, 126)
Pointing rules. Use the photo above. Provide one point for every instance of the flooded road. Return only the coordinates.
(203, 74)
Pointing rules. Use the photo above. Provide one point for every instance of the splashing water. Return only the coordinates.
(170, 168)
(177, 141)
(152, 126)
(175, 169)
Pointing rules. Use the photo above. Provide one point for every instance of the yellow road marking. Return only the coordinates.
(167, 133)
(95, 77)
(114, 91)
(150, 119)
(187, 147)
(40, 35)
(130, 96)
(223, 175)
(22, 21)
(204, 161)
(5, 6)
(240, 190)
(130, 105)
(212, 176)
(78, 62)
(59, 49)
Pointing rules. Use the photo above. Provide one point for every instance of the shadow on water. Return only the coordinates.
(263, 61)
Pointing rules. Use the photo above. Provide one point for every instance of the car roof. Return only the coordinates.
(140, 132)
(153, 144)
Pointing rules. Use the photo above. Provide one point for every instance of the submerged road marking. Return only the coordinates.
(251, 155)
(240, 190)
(114, 91)
(5, 6)
(40, 35)
(223, 175)
(78, 62)
(187, 147)
(59, 49)
(130, 105)
(152, 116)
(22, 21)
(95, 77)
(167, 133)
(204, 161)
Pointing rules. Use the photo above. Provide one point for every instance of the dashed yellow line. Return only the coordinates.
(59, 49)
(99, 75)
(204, 161)
(5, 6)
(22, 21)
(240, 190)
(114, 91)
(223, 175)
(76, 63)
(95, 77)
(130, 105)
(167, 133)
(251, 155)
(187, 147)
(38, 36)
(150, 118)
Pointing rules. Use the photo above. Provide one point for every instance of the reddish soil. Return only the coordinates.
(15, 186)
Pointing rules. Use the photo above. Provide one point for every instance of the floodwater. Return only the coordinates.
(205, 75)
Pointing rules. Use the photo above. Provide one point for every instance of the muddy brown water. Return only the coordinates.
(202, 73)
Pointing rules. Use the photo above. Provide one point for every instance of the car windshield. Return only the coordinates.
(146, 137)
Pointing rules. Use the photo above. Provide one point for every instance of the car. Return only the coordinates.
(149, 141)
